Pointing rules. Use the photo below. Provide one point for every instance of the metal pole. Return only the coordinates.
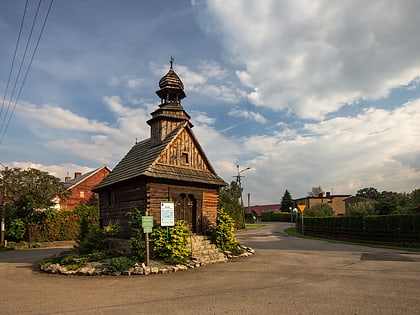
(147, 246)
(3, 211)
(238, 181)
(303, 232)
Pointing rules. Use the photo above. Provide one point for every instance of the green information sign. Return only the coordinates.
(147, 223)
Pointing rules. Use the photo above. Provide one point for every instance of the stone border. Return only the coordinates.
(94, 269)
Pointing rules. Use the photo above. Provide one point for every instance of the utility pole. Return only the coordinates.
(3, 210)
(238, 181)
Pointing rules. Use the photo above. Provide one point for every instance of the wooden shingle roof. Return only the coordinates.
(141, 161)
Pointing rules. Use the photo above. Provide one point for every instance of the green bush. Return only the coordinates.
(276, 216)
(171, 244)
(117, 264)
(319, 210)
(360, 208)
(92, 238)
(138, 250)
(16, 230)
(223, 235)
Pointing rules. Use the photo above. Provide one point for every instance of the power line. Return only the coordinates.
(4, 128)
(14, 57)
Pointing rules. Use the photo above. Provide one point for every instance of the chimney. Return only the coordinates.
(67, 178)
(77, 174)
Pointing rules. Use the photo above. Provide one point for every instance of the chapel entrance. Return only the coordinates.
(186, 209)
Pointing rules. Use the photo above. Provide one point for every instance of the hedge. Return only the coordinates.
(394, 228)
(276, 216)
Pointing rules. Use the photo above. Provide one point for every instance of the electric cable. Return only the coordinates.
(14, 57)
(3, 133)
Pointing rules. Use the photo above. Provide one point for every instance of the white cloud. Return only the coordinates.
(53, 116)
(86, 138)
(134, 83)
(209, 80)
(342, 154)
(59, 171)
(313, 57)
(237, 112)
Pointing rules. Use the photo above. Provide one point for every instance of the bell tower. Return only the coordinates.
(170, 113)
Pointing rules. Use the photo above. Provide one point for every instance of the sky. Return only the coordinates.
(303, 93)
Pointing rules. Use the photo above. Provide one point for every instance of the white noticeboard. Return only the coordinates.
(167, 210)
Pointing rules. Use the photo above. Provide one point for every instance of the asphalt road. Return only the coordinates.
(287, 275)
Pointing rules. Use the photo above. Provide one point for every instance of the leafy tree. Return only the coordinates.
(415, 198)
(370, 192)
(229, 200)
(319, 210)
(392, 202)
(287, 202)
(316, 191)
(30, 190)
(231, 193)
(360, 208)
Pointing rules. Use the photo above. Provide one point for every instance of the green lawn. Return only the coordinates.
(252, 225)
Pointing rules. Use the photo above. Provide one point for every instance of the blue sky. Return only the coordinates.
(306, 94)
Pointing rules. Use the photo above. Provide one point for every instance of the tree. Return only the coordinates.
(319, 210)
(30, 190)
(415, 198)
(231, 193)
(316, 192)
(370, 192)
(392, 202)
(287, 202)
(229, 200)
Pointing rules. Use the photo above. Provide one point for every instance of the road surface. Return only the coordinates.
(287, 275)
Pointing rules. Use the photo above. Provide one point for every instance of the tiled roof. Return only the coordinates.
(139, 161)
(77, 180)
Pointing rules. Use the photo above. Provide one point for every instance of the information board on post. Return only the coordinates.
(167, 213)
(147, 224)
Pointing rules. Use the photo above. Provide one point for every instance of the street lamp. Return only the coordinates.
(238, 181)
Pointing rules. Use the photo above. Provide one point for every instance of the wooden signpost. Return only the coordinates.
(147, 225)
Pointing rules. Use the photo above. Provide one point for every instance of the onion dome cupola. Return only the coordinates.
(171, 87)
(170, 113)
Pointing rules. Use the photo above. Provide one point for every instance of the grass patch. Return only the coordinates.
(252, 225)
(292, 231)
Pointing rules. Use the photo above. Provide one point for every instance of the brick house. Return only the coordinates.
(169, 166)
(258, 210)
(81, 187)
(336, 202)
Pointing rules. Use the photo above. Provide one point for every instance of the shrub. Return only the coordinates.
(138, 251)
(16, 230)
(360, 208)
(223, 235)
(276, 216)
(171, 244)
(319, 210)
(93, 238)
(117, 264)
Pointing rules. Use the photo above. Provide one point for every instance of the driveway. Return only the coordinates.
(287, 275)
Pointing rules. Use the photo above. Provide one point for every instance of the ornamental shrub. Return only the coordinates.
(138, 250)
(223, 235)
(171, 244)
(360, 208)
(117, 264)
(16, 230)
(319, 210)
